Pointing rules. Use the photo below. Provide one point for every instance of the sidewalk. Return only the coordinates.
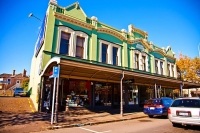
(35, 122)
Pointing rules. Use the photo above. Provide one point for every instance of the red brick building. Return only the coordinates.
(11, 81)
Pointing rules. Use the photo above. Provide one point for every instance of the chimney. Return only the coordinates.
(13, 73)
(24, 73)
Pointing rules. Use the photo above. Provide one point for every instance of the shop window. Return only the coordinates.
(79, 46)
(103, 94)
(115, 57)
(104, 53)
(64, 43)
(78, 94)
(136, 61)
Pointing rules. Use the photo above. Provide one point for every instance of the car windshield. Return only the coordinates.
(194, 103)
(19, 89)
(154, 101)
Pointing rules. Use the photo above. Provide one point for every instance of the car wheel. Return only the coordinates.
(150, 116)
(175, 124)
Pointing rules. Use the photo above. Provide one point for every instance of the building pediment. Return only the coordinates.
(111, 32)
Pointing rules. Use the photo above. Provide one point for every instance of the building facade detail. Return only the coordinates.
(92, 56)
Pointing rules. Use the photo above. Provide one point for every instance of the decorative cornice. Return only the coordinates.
(143, 41)
(112, 32)
(164, 54)
(160, 51)
(141, 32)
(73, 21)
(170, 57)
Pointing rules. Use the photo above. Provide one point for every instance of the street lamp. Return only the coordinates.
(31, 15)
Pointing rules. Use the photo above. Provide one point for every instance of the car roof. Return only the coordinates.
(188, 98)
(160, 98)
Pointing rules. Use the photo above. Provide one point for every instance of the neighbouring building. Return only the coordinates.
(96, 60)
(11, 81)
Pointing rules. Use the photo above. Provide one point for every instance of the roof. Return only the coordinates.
(5, 75)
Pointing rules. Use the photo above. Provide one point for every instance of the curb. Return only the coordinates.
(91, 123)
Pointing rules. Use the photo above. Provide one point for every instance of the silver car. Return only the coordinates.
(185, 111)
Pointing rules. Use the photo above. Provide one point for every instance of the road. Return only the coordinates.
(143, 125)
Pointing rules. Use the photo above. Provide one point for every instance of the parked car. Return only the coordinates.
(157, 106)
(185, 111)
(19, 92)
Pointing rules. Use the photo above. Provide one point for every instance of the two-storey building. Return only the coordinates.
(96, 60)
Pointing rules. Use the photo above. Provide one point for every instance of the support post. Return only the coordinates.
(52, 111)
(57, 91)
(121, 92)
(155, 90)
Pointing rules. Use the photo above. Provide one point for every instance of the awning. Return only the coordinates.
(88, 71)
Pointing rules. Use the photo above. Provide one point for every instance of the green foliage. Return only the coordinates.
(25, 83)
(188, 68)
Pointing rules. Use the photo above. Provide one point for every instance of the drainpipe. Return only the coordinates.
(121, 104)
(155, 90)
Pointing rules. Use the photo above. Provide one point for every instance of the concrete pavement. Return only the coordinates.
(35, 122)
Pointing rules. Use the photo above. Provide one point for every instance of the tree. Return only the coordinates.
(188, 69)
(25, 83)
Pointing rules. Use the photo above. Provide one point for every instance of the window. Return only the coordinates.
(64, 43)
(172, 70)
(161, 68)
(115, 57)
(168, 69)
(79, 46)
(143, 63)
(156, 66)
(17, 81)
(104, 53)
(136, 61)
(8, 81)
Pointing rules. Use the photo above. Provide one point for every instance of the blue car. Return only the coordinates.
(19, 92)
(157, 106)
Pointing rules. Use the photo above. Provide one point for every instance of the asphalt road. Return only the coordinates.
(143, 125)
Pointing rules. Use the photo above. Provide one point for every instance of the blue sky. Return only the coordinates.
(174, 23)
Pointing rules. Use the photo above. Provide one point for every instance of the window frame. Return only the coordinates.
(110, 52)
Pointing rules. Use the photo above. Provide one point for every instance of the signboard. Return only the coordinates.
(128, 81)
(139, 46)
(40, 39)
(56, 72)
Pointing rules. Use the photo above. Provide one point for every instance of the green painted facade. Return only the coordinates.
(74, 11)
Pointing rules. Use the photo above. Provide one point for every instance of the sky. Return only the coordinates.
(174, 23)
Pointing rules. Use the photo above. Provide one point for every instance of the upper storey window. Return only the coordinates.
(72, 43)
(104, 53)
(136, 61)
(168, 69)
(64, 43)
(144, 63)
(156, 66)
(115, 56)
(172, 70)
(109, 53)
(80, 46)
(161, 68)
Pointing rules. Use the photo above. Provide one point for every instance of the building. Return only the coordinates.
(11, 81)
(97, 61)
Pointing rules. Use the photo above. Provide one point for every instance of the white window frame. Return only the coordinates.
(110, 51)
(71, 32)
(85, 45)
